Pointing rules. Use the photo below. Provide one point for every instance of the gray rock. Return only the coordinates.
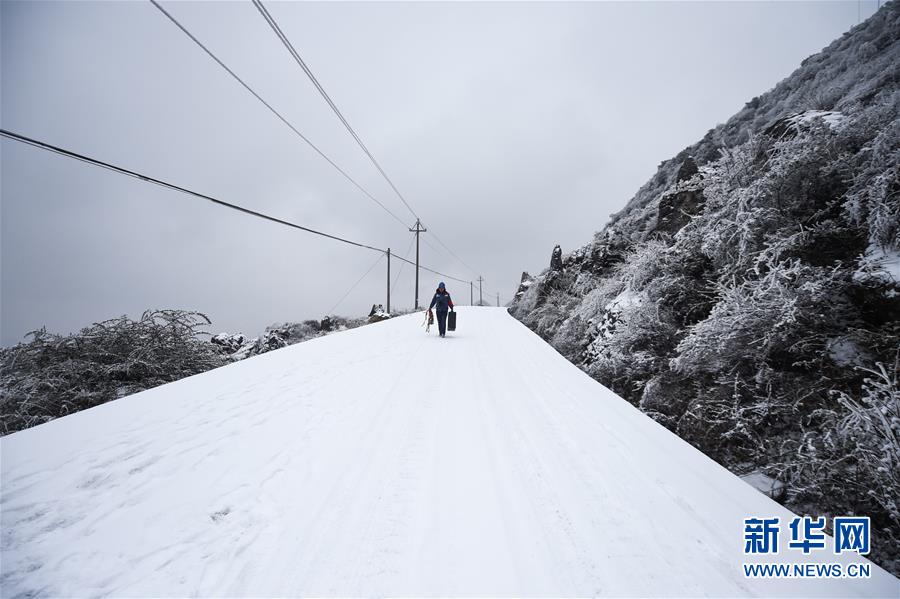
(377, 313)
(556, 262)
(524, 284)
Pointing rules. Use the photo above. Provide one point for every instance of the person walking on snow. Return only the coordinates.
(442, 301)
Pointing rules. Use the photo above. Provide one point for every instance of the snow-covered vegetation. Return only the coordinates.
(51, 375)
(279, 335)
(748, 297)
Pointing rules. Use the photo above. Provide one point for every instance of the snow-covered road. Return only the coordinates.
(381, 461)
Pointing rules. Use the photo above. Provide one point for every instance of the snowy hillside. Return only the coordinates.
(748, 296)
(381, 461)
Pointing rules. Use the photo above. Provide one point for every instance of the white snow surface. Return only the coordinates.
(383, 461)
(763, 483)
(831, 118)
(879, 264)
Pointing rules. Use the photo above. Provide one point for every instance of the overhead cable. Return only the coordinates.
(275, 112)
(296, 55)
(51, 148)
(137, 175)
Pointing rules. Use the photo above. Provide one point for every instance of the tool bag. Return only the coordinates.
(451, 321)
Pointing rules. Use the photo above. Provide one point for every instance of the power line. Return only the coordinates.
(402, 264)
(124, 171)
(352, 287)
(458, 259)
(275, 27)
(447, 251)
(275, 112)
(425, 241)
(184, 190)
(293, 52)
(273, 24)
(446, 276)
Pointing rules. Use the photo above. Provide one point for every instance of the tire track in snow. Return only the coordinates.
(563, 545)
(325, 531)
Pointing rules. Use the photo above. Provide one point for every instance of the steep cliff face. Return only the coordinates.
(748, 296)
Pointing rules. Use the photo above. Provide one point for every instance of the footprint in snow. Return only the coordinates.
(220, 515)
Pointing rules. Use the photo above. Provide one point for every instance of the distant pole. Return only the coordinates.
(389, 281)
(471, 293)
(480, 296)
(419, 229)
(498, 300)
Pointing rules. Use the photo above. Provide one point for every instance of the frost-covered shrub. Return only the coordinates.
(776, 319)
(280, 335)
(632, 344)
(551, 303)
(870, 427)
(54, 375)
(848, 458)
(571, 338)
(643, 265)
(723, 420)
(666, 398)
(873, 200)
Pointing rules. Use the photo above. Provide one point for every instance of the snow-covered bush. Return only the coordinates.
(869, 428)
(551, 303)
(777, 319)
(873, 199)
(632, 344)
(53, 375)
(280, 335)
(848, 459)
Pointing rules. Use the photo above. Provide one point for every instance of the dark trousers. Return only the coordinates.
(442, 321)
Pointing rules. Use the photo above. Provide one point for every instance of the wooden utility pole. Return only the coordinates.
(471, 293)
(480, 296)
(498, 300)
(419, 229)
(389, 281)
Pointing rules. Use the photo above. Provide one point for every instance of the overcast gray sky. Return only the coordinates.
(509, 127)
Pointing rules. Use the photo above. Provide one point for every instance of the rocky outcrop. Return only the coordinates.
(279, 335)
(677, 207)
(524, 284)
(687, 170)
(377, 314)
(556, 262)
(228, 342)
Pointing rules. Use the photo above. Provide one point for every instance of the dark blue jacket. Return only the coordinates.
(442, 301)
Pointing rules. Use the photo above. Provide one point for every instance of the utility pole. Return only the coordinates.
(498, 300)
(389, 281)
(471, 293)
(480, 297)
(419, 229)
